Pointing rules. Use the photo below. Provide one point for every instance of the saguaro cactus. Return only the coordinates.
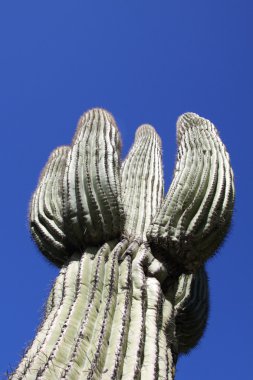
(132, 293)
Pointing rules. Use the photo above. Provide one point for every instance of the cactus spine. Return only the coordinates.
(132, 293)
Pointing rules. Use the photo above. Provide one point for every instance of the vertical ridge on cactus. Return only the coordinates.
(134, 349)
(151, 349)
(132, 292)
(165, 360)
(121, 320)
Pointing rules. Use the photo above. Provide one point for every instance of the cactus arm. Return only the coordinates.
(93, 212)
(46, 222)
(196, 213)
(142, 181)
(191, 309)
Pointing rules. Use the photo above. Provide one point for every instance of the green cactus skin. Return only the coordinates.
(132, 293)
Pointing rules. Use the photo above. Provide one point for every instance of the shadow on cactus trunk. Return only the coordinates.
(132, 293)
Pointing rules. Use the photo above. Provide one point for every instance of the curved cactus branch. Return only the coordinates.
(196, 213)
(46, 209)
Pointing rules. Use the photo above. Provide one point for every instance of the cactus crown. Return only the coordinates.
(132, 293)
(85, 197)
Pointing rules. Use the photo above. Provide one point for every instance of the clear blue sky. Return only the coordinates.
(144, 61)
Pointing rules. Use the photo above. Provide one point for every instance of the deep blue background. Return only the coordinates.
(144, 61)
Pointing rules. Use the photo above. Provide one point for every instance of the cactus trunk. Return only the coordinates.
(104, 319)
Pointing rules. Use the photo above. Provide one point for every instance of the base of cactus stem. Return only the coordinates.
(104, 319)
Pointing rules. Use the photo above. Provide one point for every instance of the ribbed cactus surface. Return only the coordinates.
(132, 293)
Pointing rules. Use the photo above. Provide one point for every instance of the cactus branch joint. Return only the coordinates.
(132, 292)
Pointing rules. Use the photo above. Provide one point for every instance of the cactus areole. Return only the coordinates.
(132, 292)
